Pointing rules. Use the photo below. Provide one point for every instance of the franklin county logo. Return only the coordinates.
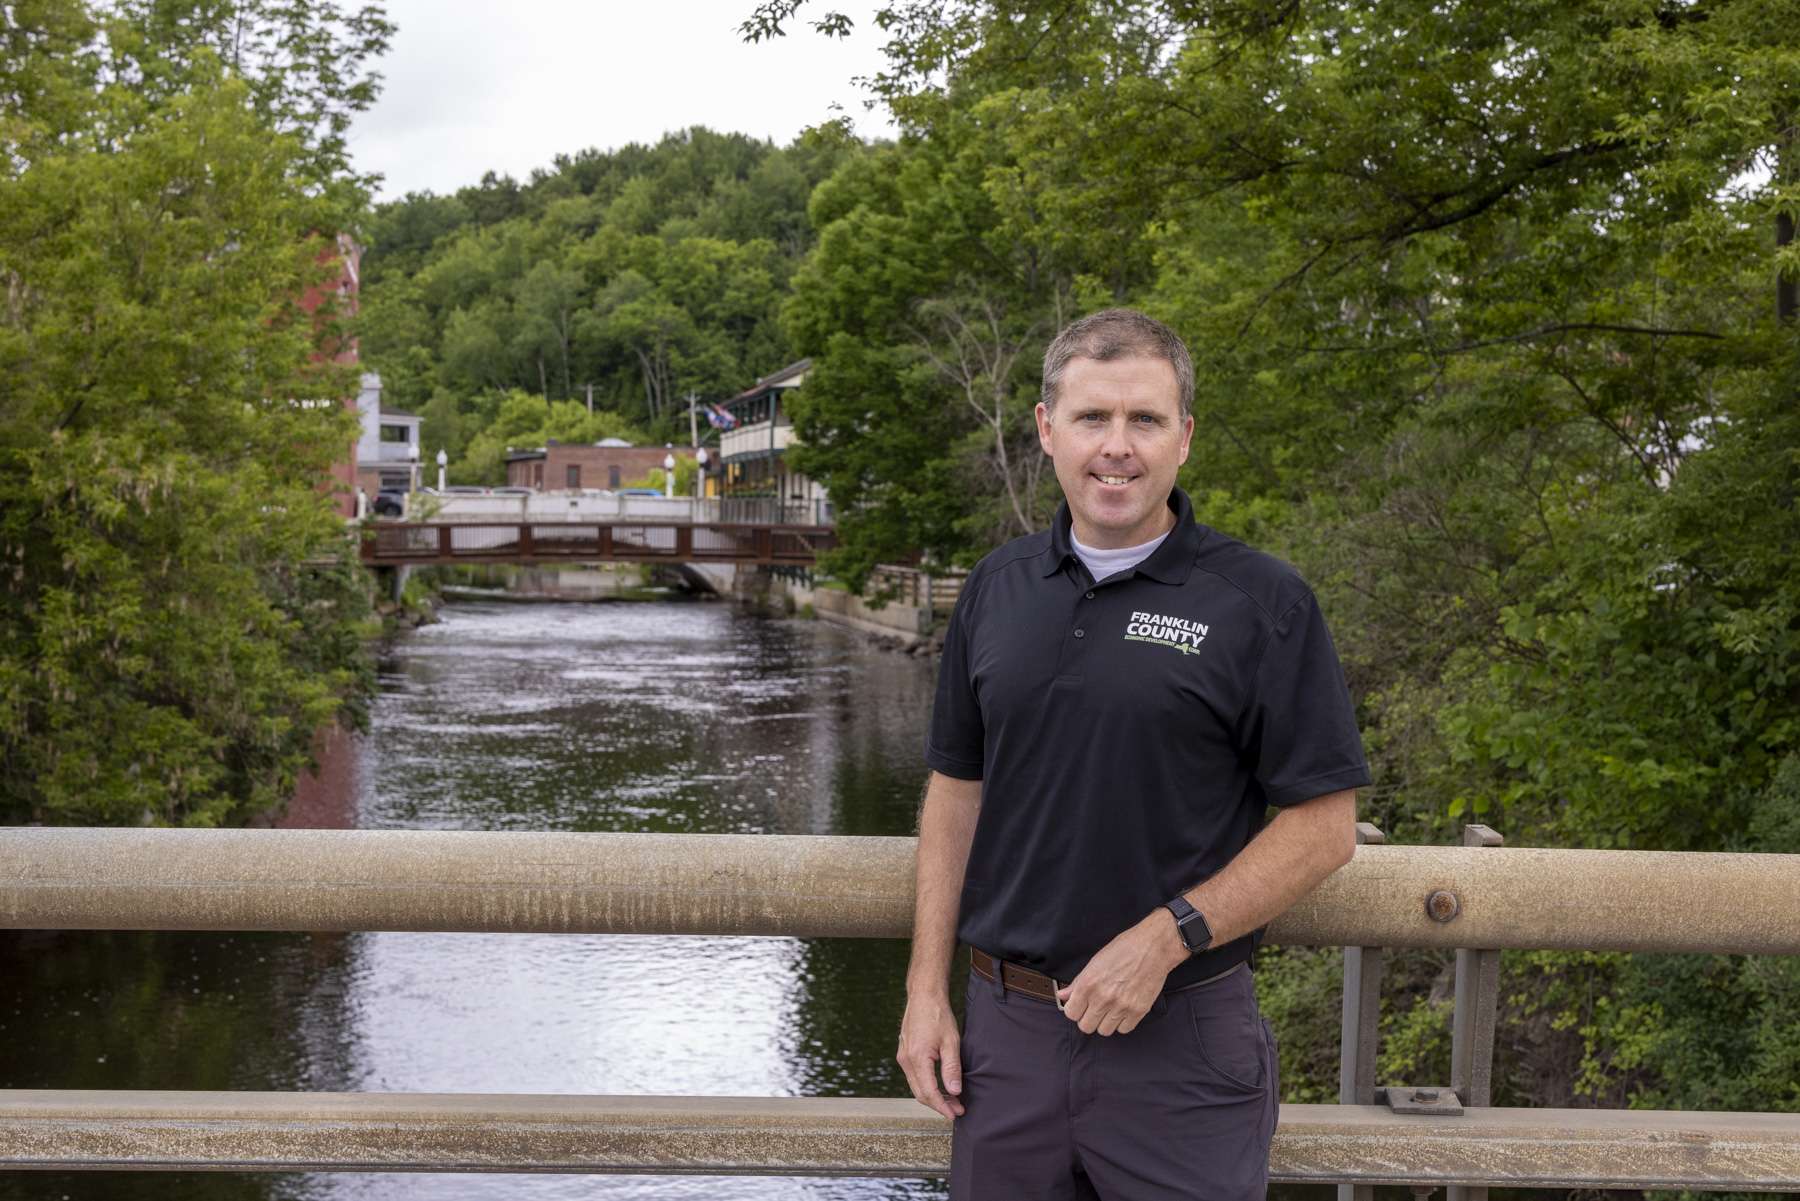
(1178, 633)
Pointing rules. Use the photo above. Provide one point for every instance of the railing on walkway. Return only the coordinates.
(1480, 898)
(609, 507)
(399, 544)
(932, 590)
(764, 510)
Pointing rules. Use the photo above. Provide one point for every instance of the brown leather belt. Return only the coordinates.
(1036, 984)
(1016, 978)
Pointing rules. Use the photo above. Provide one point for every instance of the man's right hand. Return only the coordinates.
(928, 1037)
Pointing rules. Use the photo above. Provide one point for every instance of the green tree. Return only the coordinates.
(1487, 306)
(547, 301)
(179, 613)
(304, 64)
(525, 422)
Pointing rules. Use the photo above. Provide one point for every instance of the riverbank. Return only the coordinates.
(905, 609)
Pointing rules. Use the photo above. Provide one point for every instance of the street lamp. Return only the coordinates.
(700, 457)
(412, 468)
(443, 461)
(669, 475)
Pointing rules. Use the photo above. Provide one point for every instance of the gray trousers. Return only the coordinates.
(1183, 1107)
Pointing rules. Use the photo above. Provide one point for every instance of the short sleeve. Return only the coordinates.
(1298, 728)
(955, 743)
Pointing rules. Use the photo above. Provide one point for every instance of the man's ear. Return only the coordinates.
(1043, 424)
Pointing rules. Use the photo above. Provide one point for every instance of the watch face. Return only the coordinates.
(1194, 932)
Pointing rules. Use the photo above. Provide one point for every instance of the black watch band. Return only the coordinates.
(1196, 935)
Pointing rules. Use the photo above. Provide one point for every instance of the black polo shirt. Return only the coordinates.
(1129, 734)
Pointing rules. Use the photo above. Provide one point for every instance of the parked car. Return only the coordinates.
(390, 502)
(514, 491)
(465, 490)
(640, 492)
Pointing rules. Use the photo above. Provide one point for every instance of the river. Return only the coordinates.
(653, 716)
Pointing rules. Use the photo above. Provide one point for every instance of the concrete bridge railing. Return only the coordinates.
(414, 544)
(1478, 898)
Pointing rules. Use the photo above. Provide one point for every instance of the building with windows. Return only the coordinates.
(388, 452)
(753, 454)
(607, 465)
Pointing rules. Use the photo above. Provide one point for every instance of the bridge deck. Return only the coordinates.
(248, 1131)
(426, 543)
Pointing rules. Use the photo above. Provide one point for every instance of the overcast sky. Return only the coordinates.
(477, 85)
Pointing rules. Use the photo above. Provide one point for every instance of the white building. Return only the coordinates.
(753, 453)
(387, 453)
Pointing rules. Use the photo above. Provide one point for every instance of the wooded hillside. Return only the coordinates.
(629, 277)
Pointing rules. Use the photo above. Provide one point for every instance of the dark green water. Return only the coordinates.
(656, 716)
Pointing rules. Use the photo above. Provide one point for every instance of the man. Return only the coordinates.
(1120, 699)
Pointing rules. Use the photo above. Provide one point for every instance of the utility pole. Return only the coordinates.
(693, 422)
(590, 396)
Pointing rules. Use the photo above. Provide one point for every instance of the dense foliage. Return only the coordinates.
(178, 609)
(625, 280)
(1485, 301)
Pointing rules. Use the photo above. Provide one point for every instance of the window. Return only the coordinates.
(612, 476)
(574, 475)
(396, 433)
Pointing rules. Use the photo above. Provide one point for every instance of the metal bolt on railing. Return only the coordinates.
(1442, 905)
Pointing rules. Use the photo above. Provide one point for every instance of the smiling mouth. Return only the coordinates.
(1115, 480)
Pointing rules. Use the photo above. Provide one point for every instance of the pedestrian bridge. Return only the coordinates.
(526, 527)
(639, 540)
(1479, 899)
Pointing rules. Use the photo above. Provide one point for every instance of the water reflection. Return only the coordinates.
(662, 716)
(642, 717)
(572, 1014)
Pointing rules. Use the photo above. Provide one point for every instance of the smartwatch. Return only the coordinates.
(1196, 935)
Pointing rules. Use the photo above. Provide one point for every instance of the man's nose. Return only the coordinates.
(1116, 445)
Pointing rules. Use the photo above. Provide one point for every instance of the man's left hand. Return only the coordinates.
(1121, 982)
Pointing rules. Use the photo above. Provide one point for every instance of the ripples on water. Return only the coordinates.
(660, 716)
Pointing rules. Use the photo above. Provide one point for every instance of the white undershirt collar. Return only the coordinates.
(1104, 562)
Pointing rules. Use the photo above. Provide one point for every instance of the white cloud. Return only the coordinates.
(472, 86)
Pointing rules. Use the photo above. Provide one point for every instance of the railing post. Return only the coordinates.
(1472, 1027)
(526, 549)
(445, 549)
(684, 542)
(1360, 1035)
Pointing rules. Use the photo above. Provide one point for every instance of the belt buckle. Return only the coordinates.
(1056, 988)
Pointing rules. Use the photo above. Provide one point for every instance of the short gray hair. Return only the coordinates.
(1119, 334)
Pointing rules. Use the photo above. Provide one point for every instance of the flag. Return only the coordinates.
(720, 419)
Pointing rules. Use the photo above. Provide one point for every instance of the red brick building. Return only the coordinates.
(345, 292)
(574, 466)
